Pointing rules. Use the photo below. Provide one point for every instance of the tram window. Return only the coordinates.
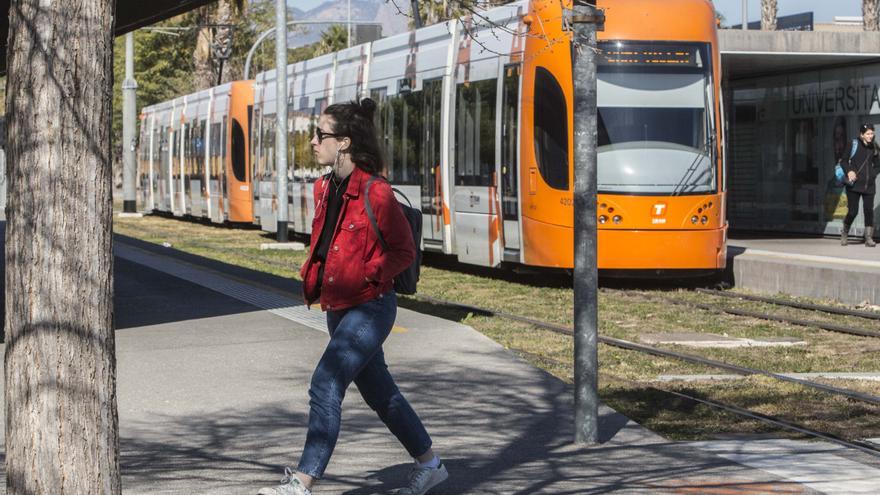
(238, 158)
(223, 144)
(175, 152)
(551, 130)
(382, 123)
(214, 149)
(379, 94)
(475, 133)
(404, 113)
(509, 139)
(255, 139)
(267, 150)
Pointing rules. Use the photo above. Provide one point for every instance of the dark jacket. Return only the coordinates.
(357, 269)
(866, 165)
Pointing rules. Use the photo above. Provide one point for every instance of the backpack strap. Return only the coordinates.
(370, 214)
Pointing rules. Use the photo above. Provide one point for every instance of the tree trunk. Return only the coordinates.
(223, 36)
(204, 69)
(870, 14)
(768, 15)
(60, 370)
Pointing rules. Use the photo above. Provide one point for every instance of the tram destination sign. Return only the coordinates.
(630, 54)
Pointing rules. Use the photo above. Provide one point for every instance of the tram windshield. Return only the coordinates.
(655, 118)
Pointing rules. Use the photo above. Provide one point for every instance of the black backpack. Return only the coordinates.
(405, 282)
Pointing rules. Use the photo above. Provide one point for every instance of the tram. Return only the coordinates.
(476, 119)
(193, 154)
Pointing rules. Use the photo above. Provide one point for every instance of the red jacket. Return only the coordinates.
(357, 269)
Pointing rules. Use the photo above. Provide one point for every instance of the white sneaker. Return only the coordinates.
(422, 479)
(290, 485)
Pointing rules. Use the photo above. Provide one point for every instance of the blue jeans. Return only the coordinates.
(355, 354)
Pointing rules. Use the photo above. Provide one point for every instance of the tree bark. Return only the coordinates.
(870, 15)
(768, 15)
(60, 369)
(204, 68)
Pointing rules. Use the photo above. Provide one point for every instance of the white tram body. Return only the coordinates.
(416, 78)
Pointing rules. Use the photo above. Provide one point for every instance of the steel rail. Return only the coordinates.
(853, 444)
(872, 315)
(625, 344)
(831, 327)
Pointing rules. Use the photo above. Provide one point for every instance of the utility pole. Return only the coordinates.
(281, 115)
(745, 13)
(586, 20)
(129, 133)
(417, 18)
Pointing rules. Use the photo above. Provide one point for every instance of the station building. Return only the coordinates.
(794, 101)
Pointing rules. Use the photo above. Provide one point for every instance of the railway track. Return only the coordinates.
(831, 327)
(632, 346)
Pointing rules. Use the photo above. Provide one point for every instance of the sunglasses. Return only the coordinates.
(321, 135)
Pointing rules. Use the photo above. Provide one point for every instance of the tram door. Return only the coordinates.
(477, 219)
(432, 193)
(508, 156)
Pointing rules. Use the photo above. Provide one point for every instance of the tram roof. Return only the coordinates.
(130, 15)
(747, 53)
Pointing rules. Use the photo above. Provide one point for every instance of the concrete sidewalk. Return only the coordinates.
(213, 399)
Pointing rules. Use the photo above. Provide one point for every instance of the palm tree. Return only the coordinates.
(211, 39)
(768, 15)
(870, 15)
(334, 38)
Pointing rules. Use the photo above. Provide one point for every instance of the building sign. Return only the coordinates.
(857, 99)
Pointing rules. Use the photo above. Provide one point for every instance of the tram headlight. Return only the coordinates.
(603, 219)
(617, 219)
(694, 219)
(704, 220)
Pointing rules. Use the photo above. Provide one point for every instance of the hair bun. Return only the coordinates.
(368, 106)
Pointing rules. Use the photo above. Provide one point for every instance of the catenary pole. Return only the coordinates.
(586, 18)
(129, 122)
(281, 115)
(417, 17)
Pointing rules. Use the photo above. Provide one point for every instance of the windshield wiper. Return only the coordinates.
(692, 168)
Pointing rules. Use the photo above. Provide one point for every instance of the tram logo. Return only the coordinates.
(658, 210)
(657, 213)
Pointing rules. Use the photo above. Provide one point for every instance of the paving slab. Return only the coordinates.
(701, 339)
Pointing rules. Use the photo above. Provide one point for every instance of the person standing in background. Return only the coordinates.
(861, 173)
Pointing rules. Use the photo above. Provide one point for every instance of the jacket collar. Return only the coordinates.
(356, 182)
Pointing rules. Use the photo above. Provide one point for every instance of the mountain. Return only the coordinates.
(385, 12)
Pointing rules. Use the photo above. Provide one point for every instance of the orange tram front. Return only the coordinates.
(661, 167)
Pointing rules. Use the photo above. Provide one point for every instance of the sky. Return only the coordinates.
(823, 10)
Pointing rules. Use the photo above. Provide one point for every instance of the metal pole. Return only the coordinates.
(586, 279)
(281, 114)
(417, 18)
(348, 27)
(129, 133)
(745, 13)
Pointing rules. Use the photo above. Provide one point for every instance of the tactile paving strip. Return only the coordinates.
(285, 307)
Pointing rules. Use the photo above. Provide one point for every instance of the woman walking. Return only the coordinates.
(352, 276)
(861, 174)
